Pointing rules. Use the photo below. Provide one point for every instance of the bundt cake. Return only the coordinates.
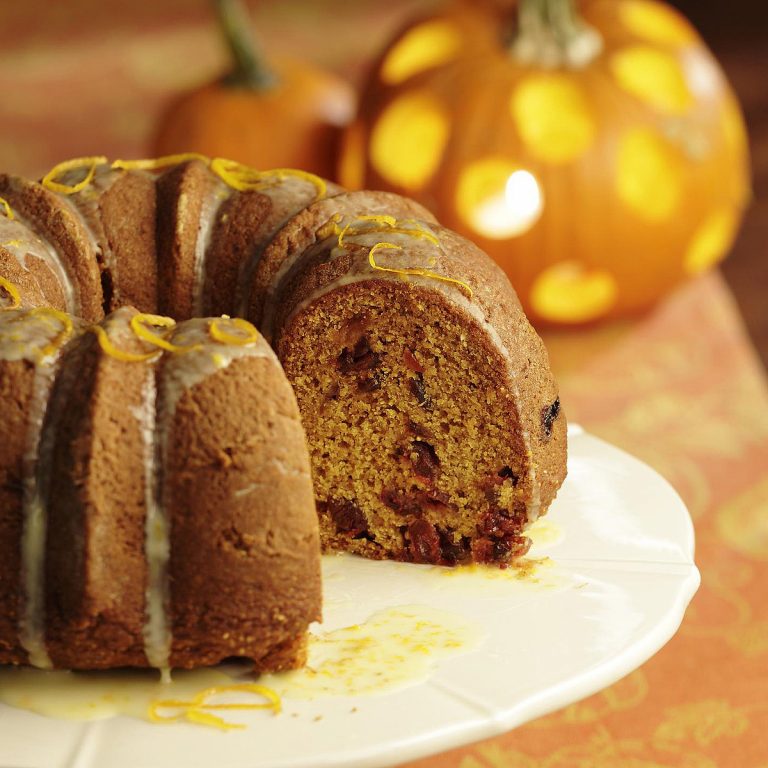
(156, 502)
(433, 422)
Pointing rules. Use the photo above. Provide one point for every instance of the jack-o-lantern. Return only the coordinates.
(595, 150)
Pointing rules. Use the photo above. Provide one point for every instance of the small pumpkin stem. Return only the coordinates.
(250, 69)
(551, 33)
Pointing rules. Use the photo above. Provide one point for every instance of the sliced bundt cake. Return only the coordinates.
(433, 421)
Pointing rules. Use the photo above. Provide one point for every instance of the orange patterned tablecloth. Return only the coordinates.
(681, 387)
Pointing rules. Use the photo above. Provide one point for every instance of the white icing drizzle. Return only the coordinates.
(414, 253)
(157, 634)
(19, 238)
(23, 336)
(34, 506)
(179, 372)
(212, 202)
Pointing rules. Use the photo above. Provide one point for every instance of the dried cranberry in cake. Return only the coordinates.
(418, 429)
(452, 552)
(360, 358)
(354, 329)
(400, 502)
(500, 522)
(506, 473)
(424, 542)
(425, 462)
(411, 362)
(347, 516)
(419, 391)
(501, 551)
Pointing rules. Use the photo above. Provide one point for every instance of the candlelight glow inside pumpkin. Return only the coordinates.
(594, 150)
(497, 199)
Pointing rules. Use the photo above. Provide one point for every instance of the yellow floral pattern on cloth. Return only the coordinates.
(682, 390)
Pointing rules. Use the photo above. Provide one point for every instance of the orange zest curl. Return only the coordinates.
(244, 178)
(411, 270)
(194, 711)
(384, 219)
(127, 357)
(388, 224)
(6, 209)
(12, 291)
(247, 333)
(368, 224)
(62, 321)
(331, 227)
(144, 326)
(88, 163)
(157, 163)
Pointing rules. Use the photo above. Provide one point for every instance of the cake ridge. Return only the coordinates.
(45, 358)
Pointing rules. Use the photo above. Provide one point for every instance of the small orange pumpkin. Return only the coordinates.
(285, 114)
(597, 154)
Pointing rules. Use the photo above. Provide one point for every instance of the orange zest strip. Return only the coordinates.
(128, 357)
(156, 163)
(60, 319)
(384, 219)
(247, 332)
(331, 227)
(243, 178)
(88, 163)
(387, 224)
(12, 291)
(195, 711)
(144, 325)
(236, 175)
(342, 233)
(411, 270)
(6, 208)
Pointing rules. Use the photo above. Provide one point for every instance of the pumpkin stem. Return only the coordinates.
(551, 33)
(250, 69)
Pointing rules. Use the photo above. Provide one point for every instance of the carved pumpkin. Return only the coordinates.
(282, 114)
(599, 156)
